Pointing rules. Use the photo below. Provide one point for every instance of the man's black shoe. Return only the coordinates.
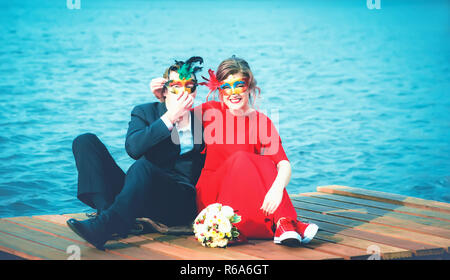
(98, 230)
(86, 231)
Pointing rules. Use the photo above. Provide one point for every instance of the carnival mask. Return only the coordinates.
(179, 86)
(233, 85)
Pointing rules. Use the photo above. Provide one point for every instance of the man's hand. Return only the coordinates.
(178, 106)
(157, 86)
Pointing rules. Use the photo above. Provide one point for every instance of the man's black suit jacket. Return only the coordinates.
(149, 136)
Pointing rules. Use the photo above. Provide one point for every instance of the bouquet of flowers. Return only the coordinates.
(213, 226)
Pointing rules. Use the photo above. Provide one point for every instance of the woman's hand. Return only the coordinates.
(273, 198)
(157, 86)
(275, 194)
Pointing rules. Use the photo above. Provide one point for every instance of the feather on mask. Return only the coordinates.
(212, 83)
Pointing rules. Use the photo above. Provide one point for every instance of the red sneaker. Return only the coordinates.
(307, 231)
(286, 233)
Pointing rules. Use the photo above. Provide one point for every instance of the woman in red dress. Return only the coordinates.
(246, 167)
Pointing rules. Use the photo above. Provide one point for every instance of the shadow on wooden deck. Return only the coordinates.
(354, 224)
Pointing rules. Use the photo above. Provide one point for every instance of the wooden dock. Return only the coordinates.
(354, 224)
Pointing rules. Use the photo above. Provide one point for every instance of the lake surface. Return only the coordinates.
(362, 94)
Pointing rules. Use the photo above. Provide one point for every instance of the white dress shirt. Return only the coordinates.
(184, 133)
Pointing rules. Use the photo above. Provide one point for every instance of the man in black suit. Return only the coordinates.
(165, 138)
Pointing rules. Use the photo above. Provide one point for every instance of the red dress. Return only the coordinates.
(240, 167)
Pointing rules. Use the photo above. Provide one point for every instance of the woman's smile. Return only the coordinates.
(235, 98)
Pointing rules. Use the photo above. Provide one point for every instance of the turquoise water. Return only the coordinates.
(362, 95)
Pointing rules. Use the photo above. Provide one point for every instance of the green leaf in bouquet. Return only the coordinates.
(235, 219)
(234, 232)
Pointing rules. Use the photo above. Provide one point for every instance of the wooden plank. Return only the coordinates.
(268, 250)
(28, 249)
(387, 197)
(173, 250)
(190, 243)
(333, 248)
(387, 252)
(145, 243)
(54, 241)
(185, 248)
(78, 216)
(238, 252)
(58, 229)
(338, 249)
(56, 219)
(376, 216)
(362, 222)
(350, 220)
(409, 248)
(347, 202)
(423, 214)
(257, 248)
(348, 227)
(135, 251)
(229, 253)
(154, 246)
(131, 251)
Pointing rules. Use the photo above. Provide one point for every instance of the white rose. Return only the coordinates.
(225, 226)
(220, 217)
(227, 211)
(201, 228)
(212, 212)
(215, 205)
(209, 221)
(214, 208)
